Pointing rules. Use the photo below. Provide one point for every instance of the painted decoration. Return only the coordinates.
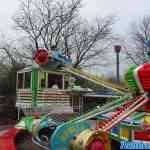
(142, 135)
(124, 133)
(60, 57)
(91, 140)
(145, 125)
(116, 130)
(146, 107)
(41, 56)
(147, 119)
(65, 133)
(147, 42)
(129, 77)
(143, 76)
(29, 123)
(96, 145)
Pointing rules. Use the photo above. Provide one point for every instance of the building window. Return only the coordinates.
(27, 81)
(20, 81)
(42, 79)
(66, 81)
(55, 81)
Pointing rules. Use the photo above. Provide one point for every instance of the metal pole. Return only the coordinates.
(34, 85)
(18, 112)
(117, 67)
(117, 49)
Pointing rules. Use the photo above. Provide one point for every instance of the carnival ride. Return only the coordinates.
(82, 134)
(35, 93)
(97, 80)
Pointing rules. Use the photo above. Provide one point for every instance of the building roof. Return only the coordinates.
(101, 94)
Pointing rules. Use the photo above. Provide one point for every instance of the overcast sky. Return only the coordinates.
(126, 10)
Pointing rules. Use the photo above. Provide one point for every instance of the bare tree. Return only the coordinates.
(9, 64)
(9, 53)
(89, 42)
(43, 20)
(48, 23)
(140, 32)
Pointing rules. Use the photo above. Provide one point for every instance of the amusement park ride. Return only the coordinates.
(126, 118)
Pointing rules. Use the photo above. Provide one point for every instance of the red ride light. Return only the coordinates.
(143, 73)
(41, 56)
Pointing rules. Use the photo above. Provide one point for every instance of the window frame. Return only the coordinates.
(54, 73)
(24, 79)
(30, 79)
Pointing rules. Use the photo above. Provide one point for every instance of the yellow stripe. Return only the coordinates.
(98, 80)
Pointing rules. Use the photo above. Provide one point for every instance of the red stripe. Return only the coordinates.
(142, 135)
(22, 95)
(52, 95)
(24, 92)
